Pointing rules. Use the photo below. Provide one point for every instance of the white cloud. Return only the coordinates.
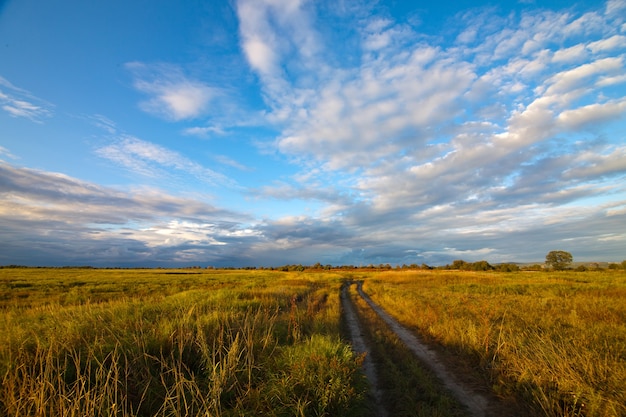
(176, 232)
(6, 152)
(408, 127)
(174, 96)
(260, 55)
(592, 114)
(204, 131)
(611, 80)
(224, 160)
(103, 123)
(20, 103)
(594, 165)
(365, 118)
(614, 42)
(271, 30)
(571, 54)
(615, 7)
(571, 79)
(154, 161)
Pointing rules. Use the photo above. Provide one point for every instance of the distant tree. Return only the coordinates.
(624, 264)
(481, 266)
(458, 264)
(558, 259)
(507, 267)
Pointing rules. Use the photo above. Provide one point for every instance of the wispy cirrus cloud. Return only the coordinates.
(172, 94)
(4, 151)
(204, 131)
(18, 102)
(155, 161)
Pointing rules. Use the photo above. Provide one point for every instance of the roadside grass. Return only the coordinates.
(555, 341)
(88, 342)
(409, 388)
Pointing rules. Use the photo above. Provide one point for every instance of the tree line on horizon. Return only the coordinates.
(555, 260)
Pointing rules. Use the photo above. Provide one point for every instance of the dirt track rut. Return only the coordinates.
(359, 345)
(476, 404)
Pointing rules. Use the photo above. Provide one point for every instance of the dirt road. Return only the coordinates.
(475, 403)
(359, 345)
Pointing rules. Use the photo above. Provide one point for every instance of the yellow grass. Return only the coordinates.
(84, 342)
(556, 341)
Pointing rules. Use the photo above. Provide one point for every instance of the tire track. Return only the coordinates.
(476, 404)
(360, 346)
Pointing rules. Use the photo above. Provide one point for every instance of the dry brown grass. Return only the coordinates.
(556, 341)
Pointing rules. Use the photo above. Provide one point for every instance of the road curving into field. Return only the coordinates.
(476, 404)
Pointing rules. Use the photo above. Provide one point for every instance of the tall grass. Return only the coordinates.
(555, 341)
(156, 343)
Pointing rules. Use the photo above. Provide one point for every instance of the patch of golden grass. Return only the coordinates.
(554, 340)
(89, 342)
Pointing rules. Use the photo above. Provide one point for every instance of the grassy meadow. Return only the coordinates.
(158, 342)
(552, 342)
(88, 342)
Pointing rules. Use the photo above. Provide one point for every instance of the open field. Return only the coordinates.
(82, 342)
(87, 342)
(555, 343)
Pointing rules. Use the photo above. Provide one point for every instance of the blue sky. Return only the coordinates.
(267, 132)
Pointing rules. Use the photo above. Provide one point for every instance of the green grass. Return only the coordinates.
(554, 341)
(409, 389)
(86, 342)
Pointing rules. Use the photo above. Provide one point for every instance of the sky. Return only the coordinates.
(346, 132)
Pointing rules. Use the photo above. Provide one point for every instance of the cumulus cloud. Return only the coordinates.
(475, 125)
(615, 7)
(270, 32)
(173, 95)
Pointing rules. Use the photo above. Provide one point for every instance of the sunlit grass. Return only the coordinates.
(88, 342)
(556, 341)
(186, 342)
(409, 388)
